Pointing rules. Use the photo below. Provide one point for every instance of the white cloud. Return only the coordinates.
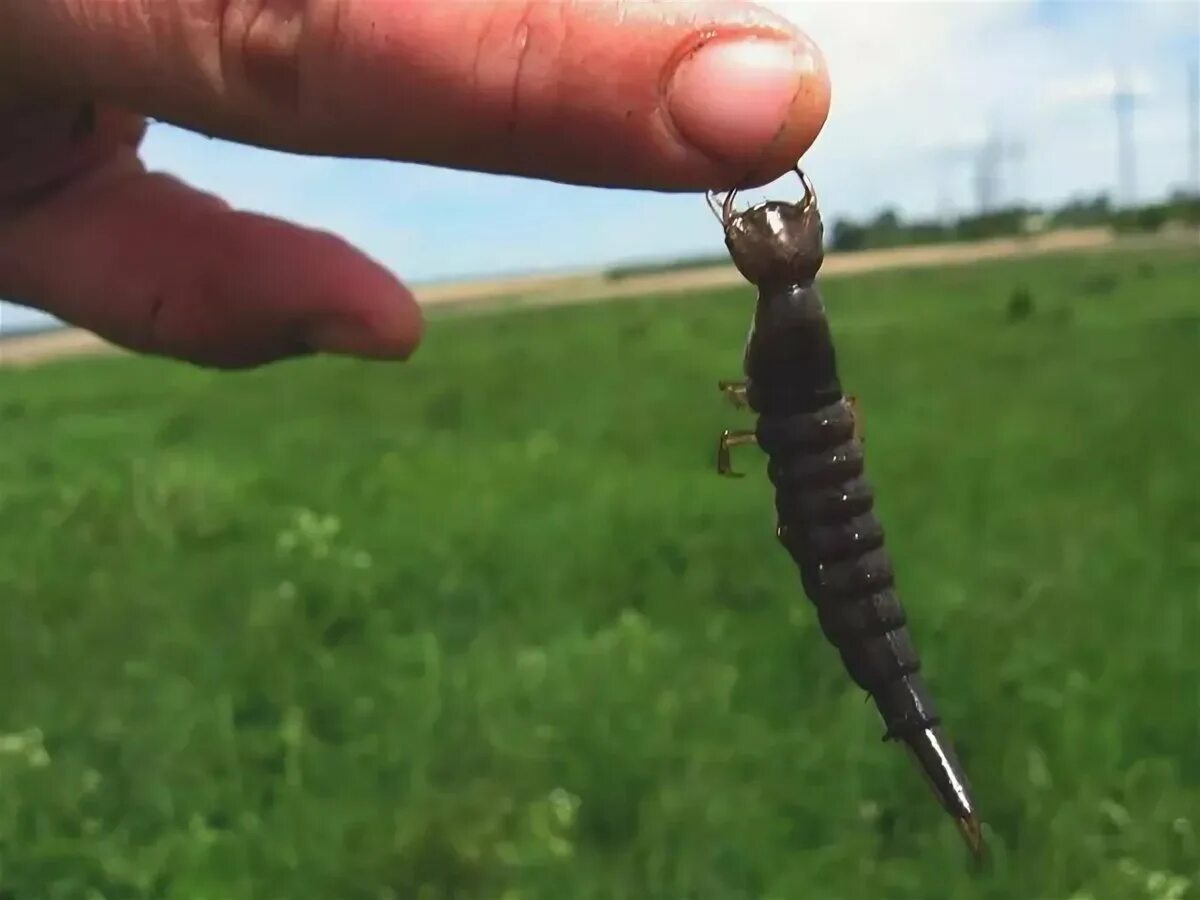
(915, 81)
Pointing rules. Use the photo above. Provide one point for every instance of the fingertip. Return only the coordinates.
(360, 308)
(389, 329)
(340, 300)
(753, 103)
(806, 116)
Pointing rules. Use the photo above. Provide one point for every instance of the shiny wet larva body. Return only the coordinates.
(824, 502)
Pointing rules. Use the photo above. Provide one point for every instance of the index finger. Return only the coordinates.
(664, 95)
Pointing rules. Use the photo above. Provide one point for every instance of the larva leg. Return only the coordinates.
(856, 412)
(735, 391)
(728, 441)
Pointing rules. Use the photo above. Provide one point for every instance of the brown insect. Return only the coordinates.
(824, 504)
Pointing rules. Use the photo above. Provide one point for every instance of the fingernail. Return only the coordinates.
(351, 338)
(733, 97)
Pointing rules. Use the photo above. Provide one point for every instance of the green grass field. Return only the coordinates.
(487, 625)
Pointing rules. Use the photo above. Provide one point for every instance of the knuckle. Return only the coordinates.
(262, 45)
(518, 60)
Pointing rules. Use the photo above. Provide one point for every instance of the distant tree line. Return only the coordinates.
(887, 229)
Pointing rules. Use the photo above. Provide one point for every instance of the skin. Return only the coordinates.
(657, 95)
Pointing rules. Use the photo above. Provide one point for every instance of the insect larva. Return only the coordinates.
(823, 501)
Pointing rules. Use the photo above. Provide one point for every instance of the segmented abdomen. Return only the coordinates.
(826, 517)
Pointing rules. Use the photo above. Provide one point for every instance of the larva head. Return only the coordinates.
(776, 242)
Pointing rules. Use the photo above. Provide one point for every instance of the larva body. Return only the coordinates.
(825, 505)
(824, 502)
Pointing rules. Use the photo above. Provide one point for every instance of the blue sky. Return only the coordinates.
(911, 80)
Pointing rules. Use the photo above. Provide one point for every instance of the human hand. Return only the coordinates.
(660, 95)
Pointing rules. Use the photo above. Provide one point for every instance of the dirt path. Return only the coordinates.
(482, 296)
(587, 289)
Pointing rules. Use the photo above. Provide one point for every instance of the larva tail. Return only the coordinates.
(940, 766)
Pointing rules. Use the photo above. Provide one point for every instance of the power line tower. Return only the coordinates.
(949, 159)
(985, 162)
(990, 161)
(1124, 100)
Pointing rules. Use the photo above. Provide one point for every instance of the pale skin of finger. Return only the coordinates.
(596, 92)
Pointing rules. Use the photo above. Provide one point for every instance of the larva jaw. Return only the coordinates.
(774, 243)
(777, 243)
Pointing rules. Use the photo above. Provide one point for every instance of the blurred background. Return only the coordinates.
(489, 625)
